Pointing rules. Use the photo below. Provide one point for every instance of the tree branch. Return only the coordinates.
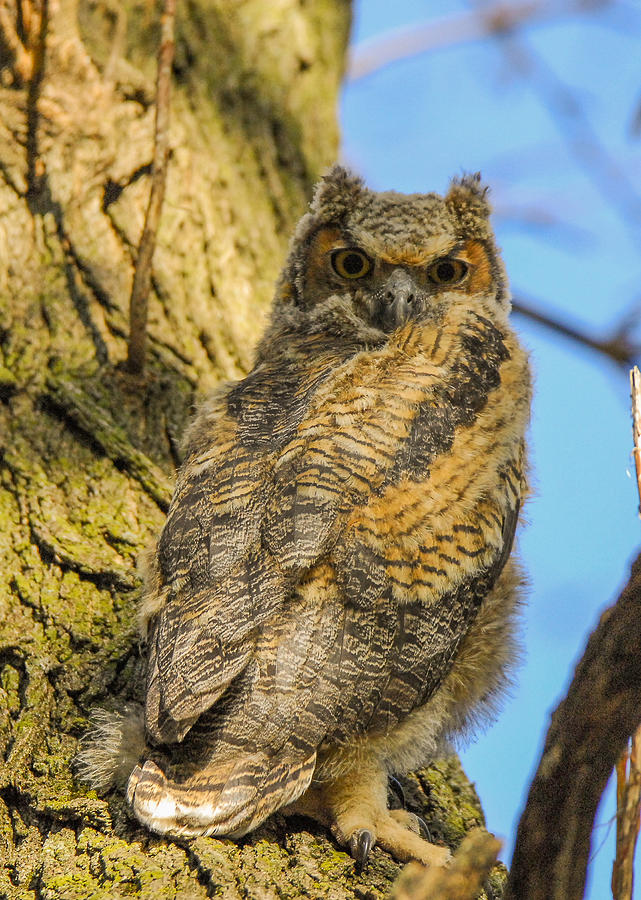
(142, 276)
(460, 28)
(617, 347)
(628, 768)
(587, 734)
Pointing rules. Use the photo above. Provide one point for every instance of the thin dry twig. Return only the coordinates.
(635, 394)
(461, 880)
(142, 276)
(628, 771)
(459, 28)
(20, 27)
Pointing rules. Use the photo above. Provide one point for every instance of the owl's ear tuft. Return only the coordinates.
(467, 199)
(336, 193)
(468, 189)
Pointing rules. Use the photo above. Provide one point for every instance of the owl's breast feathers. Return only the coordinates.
(338, 523)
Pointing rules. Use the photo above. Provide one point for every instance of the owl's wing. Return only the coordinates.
(325, 573)
(217, 585)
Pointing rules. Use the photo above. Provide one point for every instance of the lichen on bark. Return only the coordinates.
(87, 454)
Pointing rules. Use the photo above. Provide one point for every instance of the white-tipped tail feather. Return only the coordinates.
(111, 748)
(227, 800)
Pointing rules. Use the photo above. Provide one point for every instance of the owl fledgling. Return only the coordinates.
(332, 597)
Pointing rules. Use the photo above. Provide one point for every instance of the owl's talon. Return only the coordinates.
(360, 845)
(424, 829)
(396, 788)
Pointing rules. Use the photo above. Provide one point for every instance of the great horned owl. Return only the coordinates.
(331, 597)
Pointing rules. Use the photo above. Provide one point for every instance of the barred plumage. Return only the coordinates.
(331, 595)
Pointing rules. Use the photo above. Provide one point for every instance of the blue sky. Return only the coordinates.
(411, 126)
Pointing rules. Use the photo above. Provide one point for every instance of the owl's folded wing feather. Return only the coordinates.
(218, 583)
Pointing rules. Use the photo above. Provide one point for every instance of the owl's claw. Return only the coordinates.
(360, 845)
(423, 828)
(396, 788)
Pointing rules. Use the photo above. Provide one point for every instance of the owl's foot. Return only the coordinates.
(396, 831)
(354, 807)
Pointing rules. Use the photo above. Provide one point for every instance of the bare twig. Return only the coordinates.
(21, 29)
(142, 275)
(635, 395)
(617, 347)
(36, 22)
(588, 731)
(628, 768)
(628, 811)
(460, 28)
(461, 880)
(573, 124)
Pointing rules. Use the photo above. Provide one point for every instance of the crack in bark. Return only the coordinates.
(95, 422)
(70, 264)
(101, 575)
(113, 189)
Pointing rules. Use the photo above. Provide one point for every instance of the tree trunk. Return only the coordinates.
(87, 451)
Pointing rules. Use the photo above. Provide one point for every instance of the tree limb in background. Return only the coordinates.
(142, 276)
(503, 21)
(618, 346)
(589, 730)
(462, 27)
(583, 142)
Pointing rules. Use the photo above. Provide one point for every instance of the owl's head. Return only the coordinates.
(386, 258)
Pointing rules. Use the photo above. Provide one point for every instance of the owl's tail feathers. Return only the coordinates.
(229, 799)
(111, 748)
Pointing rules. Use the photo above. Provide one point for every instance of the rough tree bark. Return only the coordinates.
(87, 453)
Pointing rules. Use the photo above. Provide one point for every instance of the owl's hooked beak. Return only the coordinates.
(401, 299)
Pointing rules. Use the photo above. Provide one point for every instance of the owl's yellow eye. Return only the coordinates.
(350, 263)
(447, 271)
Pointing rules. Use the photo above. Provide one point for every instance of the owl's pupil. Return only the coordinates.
(445, 271)
(353, 263)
